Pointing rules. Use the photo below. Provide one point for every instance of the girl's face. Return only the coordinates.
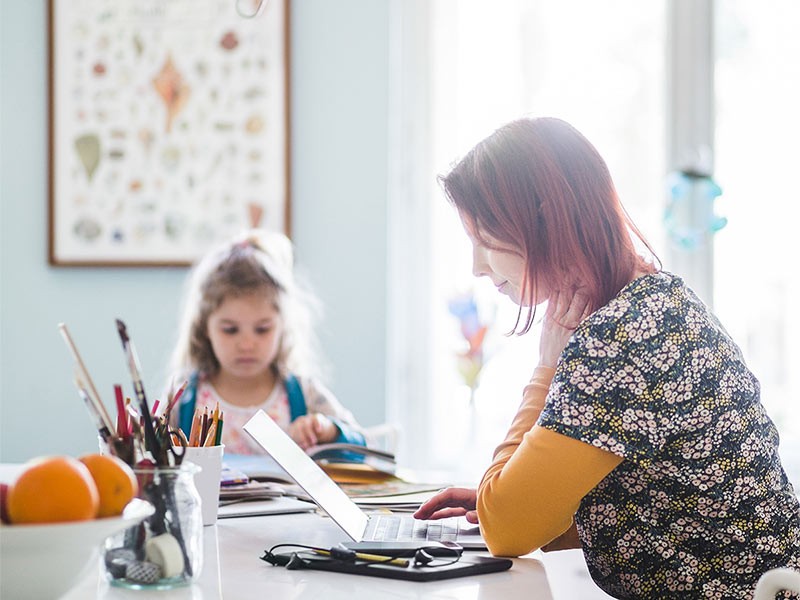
(245, 334)
(503, 264)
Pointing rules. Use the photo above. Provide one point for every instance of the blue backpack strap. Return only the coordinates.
(297, 401)
(187, 404)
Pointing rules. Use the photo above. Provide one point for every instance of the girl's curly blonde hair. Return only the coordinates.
(256, 262)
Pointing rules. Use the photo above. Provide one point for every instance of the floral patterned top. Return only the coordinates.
(700, 505)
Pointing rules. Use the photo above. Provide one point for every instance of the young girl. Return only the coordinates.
(245, 343)
(641, 437)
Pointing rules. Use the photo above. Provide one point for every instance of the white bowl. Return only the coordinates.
(46, 560)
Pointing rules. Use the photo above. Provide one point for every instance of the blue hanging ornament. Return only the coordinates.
(689, 217)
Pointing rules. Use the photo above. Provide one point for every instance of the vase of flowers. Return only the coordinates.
(471, 358)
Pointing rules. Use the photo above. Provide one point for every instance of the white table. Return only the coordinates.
(233, 570)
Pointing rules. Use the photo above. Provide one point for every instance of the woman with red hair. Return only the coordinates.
(641, 437)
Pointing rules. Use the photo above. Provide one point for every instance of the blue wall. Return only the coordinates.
(339, 155)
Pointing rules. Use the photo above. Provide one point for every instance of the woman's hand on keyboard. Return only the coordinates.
(452, 502)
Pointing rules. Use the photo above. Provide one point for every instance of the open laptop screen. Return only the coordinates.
(307, 474)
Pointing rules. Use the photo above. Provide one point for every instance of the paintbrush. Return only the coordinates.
(86, 386)
(133, 364)
(104, 432)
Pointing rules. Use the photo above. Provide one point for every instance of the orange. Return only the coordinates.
(115, 481)
(53, 489)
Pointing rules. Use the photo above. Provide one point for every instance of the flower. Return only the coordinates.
(470, 361)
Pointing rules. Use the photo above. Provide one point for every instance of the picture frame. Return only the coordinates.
(168, 127)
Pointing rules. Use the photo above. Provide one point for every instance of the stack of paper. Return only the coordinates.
(272, 506)
(257, 466)
(396, 495)
(401, 503)
(252, 490)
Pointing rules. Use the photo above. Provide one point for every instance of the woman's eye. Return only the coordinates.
(263, 330)
(230, 330)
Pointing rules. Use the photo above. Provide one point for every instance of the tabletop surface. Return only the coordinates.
(233, 569)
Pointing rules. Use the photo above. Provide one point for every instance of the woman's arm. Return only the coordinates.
(529, 494)
(462, 501)
(537, 479)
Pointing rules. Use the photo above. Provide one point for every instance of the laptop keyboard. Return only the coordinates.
(400, 528)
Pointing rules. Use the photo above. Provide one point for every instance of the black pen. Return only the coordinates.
(133, 365)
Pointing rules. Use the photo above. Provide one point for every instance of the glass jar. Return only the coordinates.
(166, 549)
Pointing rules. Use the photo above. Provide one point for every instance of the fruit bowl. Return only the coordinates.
(47, 560)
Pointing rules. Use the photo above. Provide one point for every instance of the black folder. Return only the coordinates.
(465, 567)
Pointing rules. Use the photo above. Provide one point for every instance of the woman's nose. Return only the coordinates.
(480, 266)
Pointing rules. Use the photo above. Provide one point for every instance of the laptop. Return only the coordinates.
(367, 532)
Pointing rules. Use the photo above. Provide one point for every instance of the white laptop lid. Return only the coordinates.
(308, 475)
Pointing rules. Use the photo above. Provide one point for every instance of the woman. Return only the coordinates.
(641, 437)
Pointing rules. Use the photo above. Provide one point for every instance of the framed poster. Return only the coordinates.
(168, 126)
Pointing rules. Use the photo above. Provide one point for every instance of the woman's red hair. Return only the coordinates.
(541, 186)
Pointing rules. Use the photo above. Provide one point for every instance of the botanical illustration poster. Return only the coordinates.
(168, 127)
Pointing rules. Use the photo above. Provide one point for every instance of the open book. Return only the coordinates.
(341, 452)
(345, 463)
(351, 463)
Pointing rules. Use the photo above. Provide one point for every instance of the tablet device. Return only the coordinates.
(465, 567)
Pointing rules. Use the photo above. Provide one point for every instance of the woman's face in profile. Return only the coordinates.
(502, 263)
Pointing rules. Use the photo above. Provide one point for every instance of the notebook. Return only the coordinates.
(357, 524)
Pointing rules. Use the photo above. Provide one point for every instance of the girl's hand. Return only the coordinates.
(452, 502)
(310, 430)
(565, 310)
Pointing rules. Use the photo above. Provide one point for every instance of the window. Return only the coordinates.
(490, 63)
(611, 69)
(756, 291)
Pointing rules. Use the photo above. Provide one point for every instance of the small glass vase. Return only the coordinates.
(166, 549)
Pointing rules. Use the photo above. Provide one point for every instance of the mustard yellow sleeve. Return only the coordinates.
(533, 397)
(528, 495)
